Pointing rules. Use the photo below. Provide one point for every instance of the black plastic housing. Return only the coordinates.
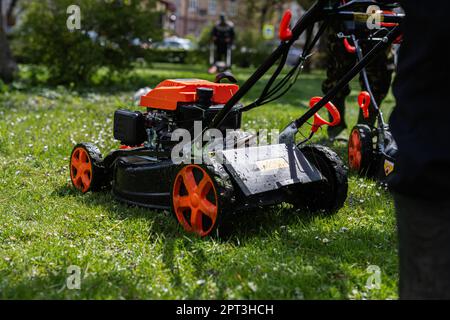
(140, 181)
(188, 114)
(129, 127)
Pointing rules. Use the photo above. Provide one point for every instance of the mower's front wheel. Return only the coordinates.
(327, 196)
(87, 172)
(200, 196)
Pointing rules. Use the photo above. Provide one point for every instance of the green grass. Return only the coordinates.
(132, 253)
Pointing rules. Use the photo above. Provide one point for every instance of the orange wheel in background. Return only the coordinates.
(360, 149)
(195, 200)
(81, 169)
(354, 151)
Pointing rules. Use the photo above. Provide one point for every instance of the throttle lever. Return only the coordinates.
(285, 26)
(364, 102)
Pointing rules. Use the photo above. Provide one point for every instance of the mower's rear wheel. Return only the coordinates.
(200, 196)
(329, 195)
(360, 149)
(87, 172)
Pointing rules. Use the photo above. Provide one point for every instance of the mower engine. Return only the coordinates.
(172, 105)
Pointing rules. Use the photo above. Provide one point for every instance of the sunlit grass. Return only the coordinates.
(132, 253)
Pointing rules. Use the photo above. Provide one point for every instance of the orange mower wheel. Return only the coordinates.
(360, 149)
(86, 169)
(195, 200)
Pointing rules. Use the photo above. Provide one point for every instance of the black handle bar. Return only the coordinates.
(321, 10)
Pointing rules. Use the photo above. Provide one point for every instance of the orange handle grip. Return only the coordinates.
(285, 29)
(319, 121)
(349, 47)
(364, 102)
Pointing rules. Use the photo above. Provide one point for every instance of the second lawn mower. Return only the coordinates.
(143, 171)
(372, 149)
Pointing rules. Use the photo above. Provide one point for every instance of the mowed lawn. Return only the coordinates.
(132, 253)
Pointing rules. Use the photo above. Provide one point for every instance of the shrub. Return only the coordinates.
(108, 29)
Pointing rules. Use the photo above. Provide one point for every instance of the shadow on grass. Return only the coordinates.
(326, 271)
(120, 210)
(261, 242)
(330, 262)
(244, 224)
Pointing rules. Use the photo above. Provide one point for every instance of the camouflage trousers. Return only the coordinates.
(339, 61)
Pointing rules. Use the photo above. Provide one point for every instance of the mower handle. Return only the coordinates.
(318, 12)
(319, 121)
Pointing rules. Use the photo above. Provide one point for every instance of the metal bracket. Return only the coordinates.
(288, 135)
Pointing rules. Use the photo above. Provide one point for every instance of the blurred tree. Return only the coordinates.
(110, 36)
(266, 8)
(7, 64)
(306, 4)
(257, 13)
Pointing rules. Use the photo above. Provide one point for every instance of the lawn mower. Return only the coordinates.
(143, 171)
(372, 149)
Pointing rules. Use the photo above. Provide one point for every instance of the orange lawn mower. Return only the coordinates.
(201, 194)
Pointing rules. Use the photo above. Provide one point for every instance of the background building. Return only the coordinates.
(193, 15)
(190, 17)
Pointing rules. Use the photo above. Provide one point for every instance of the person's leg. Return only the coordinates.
(221, 52)
(338, 63)
(422, 168)
(379, 73)
(424, 248)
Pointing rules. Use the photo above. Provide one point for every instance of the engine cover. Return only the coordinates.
(169, 94)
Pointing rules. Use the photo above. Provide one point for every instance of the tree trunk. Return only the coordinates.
(264, 11)
(262, 21)
(10, 18)
(8, 66)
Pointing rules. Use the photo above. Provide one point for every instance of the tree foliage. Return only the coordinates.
(108, 29)
(257, 12)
